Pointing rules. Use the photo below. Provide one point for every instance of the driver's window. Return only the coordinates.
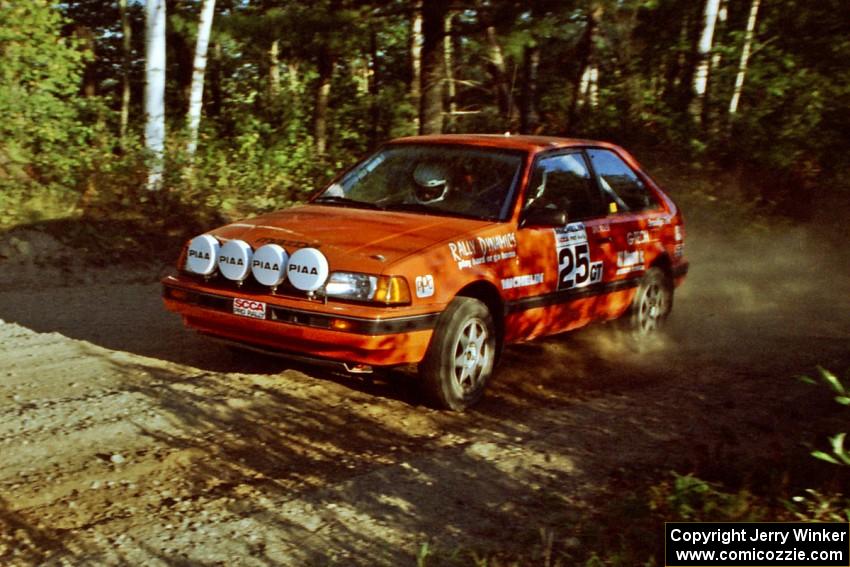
(563, 183)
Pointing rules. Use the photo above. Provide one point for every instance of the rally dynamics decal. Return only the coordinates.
(483, 250)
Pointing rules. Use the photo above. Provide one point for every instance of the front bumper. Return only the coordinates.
(364, 335)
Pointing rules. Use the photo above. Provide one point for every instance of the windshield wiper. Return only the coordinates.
(345, 202)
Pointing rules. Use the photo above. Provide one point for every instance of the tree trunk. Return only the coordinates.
(584, 50)
(274, 69)
(85, 36)
(528, 112)
(155, 90)
(323, 93)
(127, 54)
(215, 101)
(374, 87)
(745, 57)
(416, 42)
(448, 56)
(433, 66)
(717, 56)
(193, 117)
(504, 81)
(704, 50)
(589, 88)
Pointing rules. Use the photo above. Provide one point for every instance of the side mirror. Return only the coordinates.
(543, 216)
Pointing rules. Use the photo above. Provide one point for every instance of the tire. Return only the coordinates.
(651, 305)
(461, 356)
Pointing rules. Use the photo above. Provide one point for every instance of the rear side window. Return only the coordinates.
(620, 183)
(563, 182)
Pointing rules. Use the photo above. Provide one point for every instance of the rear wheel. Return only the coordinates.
(651, 305)
(460, 359)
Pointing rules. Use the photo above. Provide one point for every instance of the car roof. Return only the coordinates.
(526, 143)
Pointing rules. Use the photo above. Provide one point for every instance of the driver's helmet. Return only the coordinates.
(431, 182)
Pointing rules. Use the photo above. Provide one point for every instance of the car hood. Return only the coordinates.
(351, 238)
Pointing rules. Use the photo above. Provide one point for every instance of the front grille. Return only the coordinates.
(300, 318)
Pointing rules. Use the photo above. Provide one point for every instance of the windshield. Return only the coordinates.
(454, 180)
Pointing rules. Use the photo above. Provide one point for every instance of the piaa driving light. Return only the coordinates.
(389, 290)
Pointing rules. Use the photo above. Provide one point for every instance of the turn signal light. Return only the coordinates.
(340, 324)
(392, 290)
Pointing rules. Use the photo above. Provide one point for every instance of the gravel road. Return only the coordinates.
(125, 439)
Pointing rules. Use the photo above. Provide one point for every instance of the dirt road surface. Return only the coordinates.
(125, 439)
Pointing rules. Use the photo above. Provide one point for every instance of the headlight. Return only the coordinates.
(389, 290)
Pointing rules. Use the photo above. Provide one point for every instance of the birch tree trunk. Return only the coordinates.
(448, 57)
(196, 97)
(717, 57)
(589, 90)
(504, 83)
(704, 51)
(274, 69)
(584, 51)
(745, 57)
(155, 90)
(126, 48)
(416, 42)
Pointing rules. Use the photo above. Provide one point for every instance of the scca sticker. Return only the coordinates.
(425, 286)
(574, 266)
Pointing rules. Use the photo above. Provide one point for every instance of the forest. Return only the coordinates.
(256, 103)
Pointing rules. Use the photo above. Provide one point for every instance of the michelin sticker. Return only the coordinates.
(574, 266)
(525, 280)
(424, 286)
(483, 250)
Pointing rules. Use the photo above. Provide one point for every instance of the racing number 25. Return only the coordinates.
(575, 269)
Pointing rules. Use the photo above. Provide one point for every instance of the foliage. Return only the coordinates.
(46, 128)
(838, 455)
(64, 66)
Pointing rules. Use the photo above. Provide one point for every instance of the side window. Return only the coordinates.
(620, 184)
(563, 182)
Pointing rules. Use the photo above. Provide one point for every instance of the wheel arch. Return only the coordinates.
(489, 295)
(665, 264)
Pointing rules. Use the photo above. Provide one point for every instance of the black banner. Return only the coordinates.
(763, 544)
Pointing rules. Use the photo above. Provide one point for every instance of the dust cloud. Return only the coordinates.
(764, 298)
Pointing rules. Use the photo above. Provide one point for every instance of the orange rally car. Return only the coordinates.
(439, 250)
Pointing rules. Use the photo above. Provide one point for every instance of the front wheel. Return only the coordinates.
(460, 359)
(651, 305)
